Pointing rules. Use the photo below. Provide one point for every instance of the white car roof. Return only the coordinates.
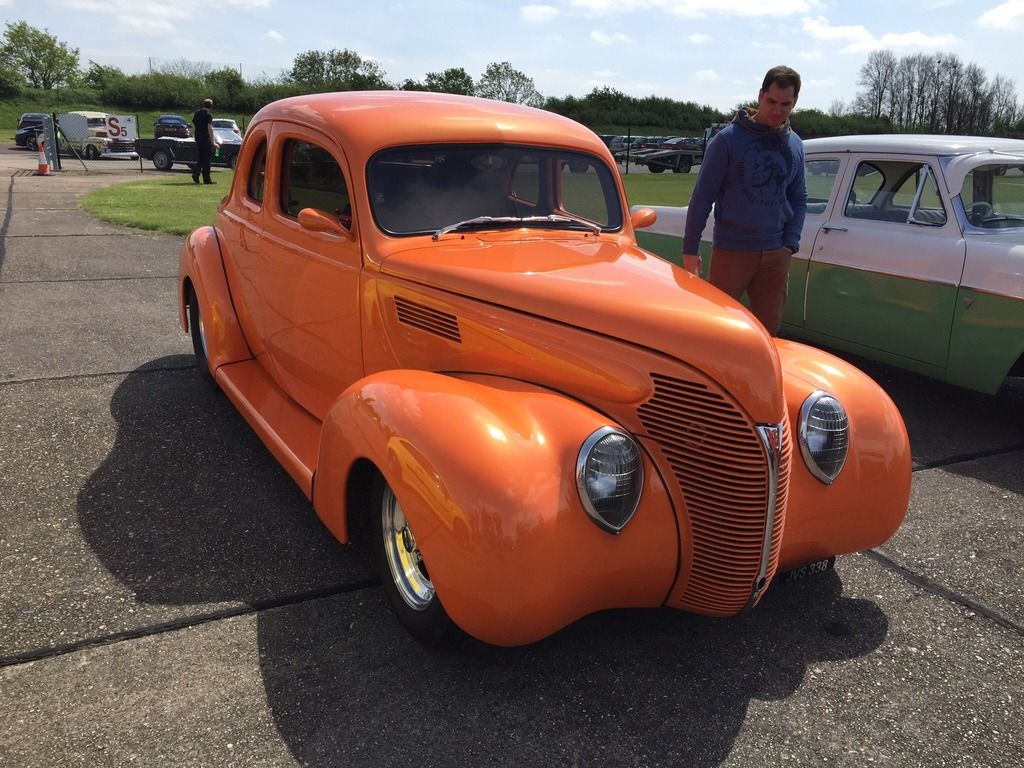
(964, 153)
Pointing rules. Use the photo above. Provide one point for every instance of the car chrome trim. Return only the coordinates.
(771, 440)
(805, 450)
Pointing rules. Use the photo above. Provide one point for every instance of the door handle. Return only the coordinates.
(831, 227)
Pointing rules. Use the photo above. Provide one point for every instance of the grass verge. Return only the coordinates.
(171, 204)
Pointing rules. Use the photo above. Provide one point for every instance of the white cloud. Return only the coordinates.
(707, 76)
(1008, 16)
(859, 40)
(155, 17)
(819, 29)
(699, 38)
(615, 38)
(273, 34)
(538, 14)
(697, 8)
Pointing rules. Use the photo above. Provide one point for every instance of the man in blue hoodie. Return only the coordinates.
(753, 174)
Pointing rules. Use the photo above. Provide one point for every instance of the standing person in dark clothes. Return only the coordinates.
(205, 141)
(753, 173)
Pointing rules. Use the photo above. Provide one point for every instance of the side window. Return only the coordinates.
(993, 196)
(583, 194)
(820, 176)
(866, 184)
(257, 173)
(312, 178)
(887, 191)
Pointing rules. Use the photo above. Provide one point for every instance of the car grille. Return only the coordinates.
(719, 462)
(121, 146)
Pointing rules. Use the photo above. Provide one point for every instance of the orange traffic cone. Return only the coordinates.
(44, 164)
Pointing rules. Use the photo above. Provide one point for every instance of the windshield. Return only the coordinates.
(414, 190)
(993, 196)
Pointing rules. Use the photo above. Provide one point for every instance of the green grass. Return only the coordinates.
(659, 188)
(171, 204)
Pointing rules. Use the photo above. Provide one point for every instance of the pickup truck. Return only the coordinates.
(166, 151)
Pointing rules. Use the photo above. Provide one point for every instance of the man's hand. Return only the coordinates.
(692, 262)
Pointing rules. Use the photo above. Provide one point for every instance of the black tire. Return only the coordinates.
(234, 162)
(195, 325)
(684, 165)
(91, 153)
(402, 571)
(31, 144)
(656, 168)
(162, 160)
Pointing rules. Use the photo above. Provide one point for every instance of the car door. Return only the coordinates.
(821, 175)
(308, 280)
(885, 266)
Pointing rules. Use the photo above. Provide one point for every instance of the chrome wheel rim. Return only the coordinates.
(403, 556)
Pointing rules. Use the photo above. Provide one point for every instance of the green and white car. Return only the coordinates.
(912, 253)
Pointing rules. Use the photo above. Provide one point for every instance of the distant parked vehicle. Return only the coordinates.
(30, 125)
(226, 122)
(86, 134)
(174, 126)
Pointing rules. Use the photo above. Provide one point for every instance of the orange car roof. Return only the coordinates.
(365, 121)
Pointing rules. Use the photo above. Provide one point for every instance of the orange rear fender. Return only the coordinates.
(867, 502)
(484, 469)
(201, 266)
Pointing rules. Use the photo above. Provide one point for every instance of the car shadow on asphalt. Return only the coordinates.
(189, 510)
(629, 687)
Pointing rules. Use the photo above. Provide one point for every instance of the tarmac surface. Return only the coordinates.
(168, 597)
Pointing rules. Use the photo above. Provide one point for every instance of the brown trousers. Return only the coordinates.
(762, 275)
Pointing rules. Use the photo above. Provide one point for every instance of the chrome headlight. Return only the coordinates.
(610, 477)
(824, 435)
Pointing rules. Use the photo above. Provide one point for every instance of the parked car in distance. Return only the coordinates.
(85, 133)
(174, 126)
(911, 254)
(226, 122)
(433, 311)
(30, 125)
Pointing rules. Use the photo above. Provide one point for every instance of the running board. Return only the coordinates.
(290, 433)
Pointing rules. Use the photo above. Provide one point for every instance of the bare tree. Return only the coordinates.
(876, 76)
(505, 83)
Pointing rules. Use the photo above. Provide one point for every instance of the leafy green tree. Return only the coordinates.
(226, 87)
(452, 80)
(502, 82)
(100, 77)
(336, 70)
(39, 57)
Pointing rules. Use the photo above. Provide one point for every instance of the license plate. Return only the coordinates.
(809, 569)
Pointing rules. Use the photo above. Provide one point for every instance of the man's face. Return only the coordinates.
(774, 105)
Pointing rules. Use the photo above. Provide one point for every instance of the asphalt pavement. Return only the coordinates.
(168, 597)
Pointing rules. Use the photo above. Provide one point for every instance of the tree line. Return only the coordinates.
(920, 93)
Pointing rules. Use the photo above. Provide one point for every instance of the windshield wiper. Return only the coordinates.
(554, 218)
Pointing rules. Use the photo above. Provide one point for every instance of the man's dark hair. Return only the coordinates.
(784, 77)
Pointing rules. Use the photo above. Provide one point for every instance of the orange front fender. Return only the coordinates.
(201, 266)
(867, 502)
(485, 471)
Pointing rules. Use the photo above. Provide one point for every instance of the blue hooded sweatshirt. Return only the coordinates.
(754, 176)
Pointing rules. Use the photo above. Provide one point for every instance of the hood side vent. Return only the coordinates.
(427, 319)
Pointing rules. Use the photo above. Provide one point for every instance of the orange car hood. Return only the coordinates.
(613, 289)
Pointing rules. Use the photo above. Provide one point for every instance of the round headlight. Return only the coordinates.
(824, 435)
(610, 477)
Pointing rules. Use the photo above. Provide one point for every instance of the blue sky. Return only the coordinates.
(709, 51)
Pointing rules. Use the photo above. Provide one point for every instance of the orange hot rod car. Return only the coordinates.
(433, 311)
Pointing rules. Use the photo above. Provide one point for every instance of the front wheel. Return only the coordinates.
(31, 144)
(684, 165)
(162, 160)
(198, 333)
(91, 153)
(404, 575)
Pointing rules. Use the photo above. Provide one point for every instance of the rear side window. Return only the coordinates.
(312, 178)
(820, 176)
(257, 173)
(892, 190)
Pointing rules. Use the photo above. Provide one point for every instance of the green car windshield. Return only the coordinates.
(421, 189)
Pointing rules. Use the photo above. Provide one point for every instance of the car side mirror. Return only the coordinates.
(317, 221)
(643, 217)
